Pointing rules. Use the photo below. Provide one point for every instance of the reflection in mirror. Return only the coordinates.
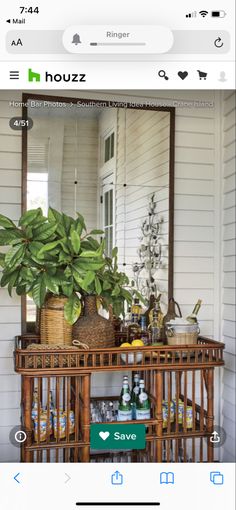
(112, 165)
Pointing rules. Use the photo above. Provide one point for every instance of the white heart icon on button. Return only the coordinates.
(104, 435)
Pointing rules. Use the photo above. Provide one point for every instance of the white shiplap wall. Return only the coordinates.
(196, 240)
(229, 287)
(10, 313)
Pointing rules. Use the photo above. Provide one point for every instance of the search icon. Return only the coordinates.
(162, 74)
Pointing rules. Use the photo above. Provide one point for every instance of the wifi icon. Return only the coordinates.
(203, 13)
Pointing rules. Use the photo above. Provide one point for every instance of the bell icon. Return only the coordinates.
(76, 39)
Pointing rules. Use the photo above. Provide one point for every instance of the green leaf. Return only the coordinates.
(2, 259)
(92, 243)
(67, 289)
(75, 241)
(90, 254)
(114, 252)
(35, 247)
(48, 247)
(7, 236)
(89, 278)
(79, 280)
(15, 255)
(5, 278)
(126, 294)
(12, 281)
(54, 216)
(106, 285)
(29, 232)
(72, 309)
(67, 221)
(64, 257)
(39, 291)
(51, 283)
(64, 244)
(45, 231)
(20, 289)
(26, 274)
(116, 290)
(6, 222)
(80, 223)
(29, 217)
(98, 286)
(96, 232)
(88, 265)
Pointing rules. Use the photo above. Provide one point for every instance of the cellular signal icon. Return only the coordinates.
(191, 14)
(203, 13)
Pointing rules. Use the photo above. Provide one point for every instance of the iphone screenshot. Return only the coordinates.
(117, 255)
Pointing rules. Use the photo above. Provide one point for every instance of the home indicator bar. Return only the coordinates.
(106, 503)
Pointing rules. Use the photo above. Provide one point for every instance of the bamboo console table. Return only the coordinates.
(185, 372)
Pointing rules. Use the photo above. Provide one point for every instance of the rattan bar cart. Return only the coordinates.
(170, 372)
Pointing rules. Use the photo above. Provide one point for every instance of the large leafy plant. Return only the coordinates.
(56, 254)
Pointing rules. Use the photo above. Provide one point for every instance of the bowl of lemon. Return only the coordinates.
(132, 357)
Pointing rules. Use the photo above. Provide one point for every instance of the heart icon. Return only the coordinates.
(104, 435)
(182, 74)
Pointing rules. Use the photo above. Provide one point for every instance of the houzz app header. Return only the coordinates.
(34, 76)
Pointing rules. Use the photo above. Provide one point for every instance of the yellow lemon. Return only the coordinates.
(125, 344)
(137, 343)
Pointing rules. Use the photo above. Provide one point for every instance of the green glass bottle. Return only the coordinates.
(134, 395)
(143, 404)
(192, 318)
(125, 407)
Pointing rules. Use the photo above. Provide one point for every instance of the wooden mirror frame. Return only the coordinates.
(171, 110)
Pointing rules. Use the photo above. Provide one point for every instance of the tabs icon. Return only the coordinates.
(32, 76)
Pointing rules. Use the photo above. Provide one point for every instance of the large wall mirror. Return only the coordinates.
(114, 164)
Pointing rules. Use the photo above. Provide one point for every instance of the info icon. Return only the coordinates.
(18, 435)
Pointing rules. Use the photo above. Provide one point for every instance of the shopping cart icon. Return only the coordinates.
(202, 76)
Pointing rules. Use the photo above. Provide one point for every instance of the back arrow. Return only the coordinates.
(67, 478)
(15, 478)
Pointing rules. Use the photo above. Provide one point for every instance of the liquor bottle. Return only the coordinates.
(143, 405)
(128, 317)
(150, 307)
(192, 318)
(136, 308)
(134, 329)
(144, 333)
(154, 329)
(125, 407)
(134, 395)
(160, 315)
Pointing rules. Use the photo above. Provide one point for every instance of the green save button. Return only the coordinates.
(114, 436)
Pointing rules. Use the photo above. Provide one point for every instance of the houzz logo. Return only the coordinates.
(65, 77)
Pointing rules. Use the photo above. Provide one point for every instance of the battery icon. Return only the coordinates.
(218, 14)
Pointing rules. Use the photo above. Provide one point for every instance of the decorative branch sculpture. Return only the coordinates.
(150, 252)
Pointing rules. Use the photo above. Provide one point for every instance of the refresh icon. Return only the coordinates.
(218, 42)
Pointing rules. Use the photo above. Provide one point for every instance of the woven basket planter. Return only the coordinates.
(53, 327)
(92, 329)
